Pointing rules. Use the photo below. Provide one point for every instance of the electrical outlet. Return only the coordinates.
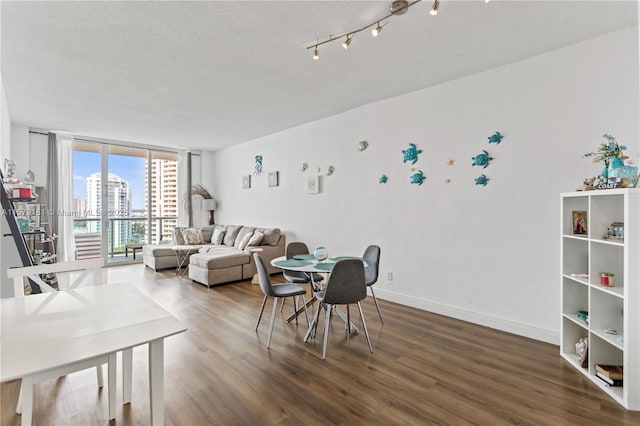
(389, 276)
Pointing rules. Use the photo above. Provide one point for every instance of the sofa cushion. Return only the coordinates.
(207, 233)
(242, 234)
(177, 235)
(158, 250)
(231, 234)
(271, 236)
(217, 237)
(219, 257)
(192, 236)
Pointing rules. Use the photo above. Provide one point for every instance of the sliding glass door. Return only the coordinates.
(138, 189)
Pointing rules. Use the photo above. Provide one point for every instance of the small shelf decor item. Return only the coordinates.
(246, 181)
(411, 154)
(615, 231)
(273, 178)
(579, 222)
(495, 138)
(481, 159)
(615, 173)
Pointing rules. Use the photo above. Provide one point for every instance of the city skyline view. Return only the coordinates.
(130, 169)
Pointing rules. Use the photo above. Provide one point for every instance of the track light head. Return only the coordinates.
(316, 56)
(434, 8)
(347, 42)
(376, 30)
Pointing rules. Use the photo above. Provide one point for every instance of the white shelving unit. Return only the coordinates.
(615, 307)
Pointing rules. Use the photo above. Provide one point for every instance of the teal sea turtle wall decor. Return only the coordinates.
(411, 154)
(495, 138)
(481, 159)
(482, 180)
(383, 179)
(418, 177)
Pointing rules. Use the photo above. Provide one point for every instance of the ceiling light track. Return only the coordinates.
(398, 7)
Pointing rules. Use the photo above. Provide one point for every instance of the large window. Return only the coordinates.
(137, 205)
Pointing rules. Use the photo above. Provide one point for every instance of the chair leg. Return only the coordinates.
(327, 319)
(295, 307)
(347, 325)
(364, 325)
(282, 306)
(306, 315)
(264, 302)
(377, 306)
(273, 319)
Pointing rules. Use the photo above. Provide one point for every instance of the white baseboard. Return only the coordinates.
(508, 326)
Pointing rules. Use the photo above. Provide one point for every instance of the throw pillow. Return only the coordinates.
(192, 236)
(255, 239)
(271, 236)
(218, 235)
(207, 232)
(244, 241)
(177, 235)
(230, 235)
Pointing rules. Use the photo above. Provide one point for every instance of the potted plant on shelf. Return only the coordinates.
(615, 172)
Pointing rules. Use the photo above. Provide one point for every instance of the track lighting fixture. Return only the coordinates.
(347, 42)
(398, 7)
(434, 8)
(376, 30)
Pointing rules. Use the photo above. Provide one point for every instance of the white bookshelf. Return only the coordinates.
(615, 307)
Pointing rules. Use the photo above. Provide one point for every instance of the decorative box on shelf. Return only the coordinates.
(19, 191)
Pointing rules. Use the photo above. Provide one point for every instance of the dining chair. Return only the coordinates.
(276, 291)
(372, 256)
(297, 277)
(345, 286)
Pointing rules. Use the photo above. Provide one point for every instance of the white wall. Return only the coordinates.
(485, 254)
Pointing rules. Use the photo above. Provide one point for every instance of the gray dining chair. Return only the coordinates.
(372, 256)
(276, 291)
(345, 286)
(297, 277)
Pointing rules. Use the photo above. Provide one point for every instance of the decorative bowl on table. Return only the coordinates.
(321, 253)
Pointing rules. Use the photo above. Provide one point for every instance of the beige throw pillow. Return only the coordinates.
(192, 236)
(255, 239)
(244, 241)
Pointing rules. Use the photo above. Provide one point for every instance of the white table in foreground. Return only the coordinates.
(44, 332)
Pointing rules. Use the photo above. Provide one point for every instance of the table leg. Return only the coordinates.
(127, 369)
(156, 381)
(111, 378)
(126, 252)
(27, 400)
(341, 314)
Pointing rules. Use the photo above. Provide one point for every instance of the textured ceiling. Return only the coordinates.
(212, 74)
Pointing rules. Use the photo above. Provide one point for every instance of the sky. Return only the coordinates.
(130, 169)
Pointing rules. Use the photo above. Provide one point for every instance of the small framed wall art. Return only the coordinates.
(579, 222)
(313, 184)
(273, 178)
(246, 181)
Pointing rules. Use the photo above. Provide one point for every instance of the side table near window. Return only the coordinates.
(182, 256)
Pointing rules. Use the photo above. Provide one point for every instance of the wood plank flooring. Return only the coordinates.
(426, 369)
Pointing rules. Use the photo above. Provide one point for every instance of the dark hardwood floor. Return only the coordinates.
(426, 369)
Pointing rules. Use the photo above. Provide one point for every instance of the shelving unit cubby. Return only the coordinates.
(583, 258)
